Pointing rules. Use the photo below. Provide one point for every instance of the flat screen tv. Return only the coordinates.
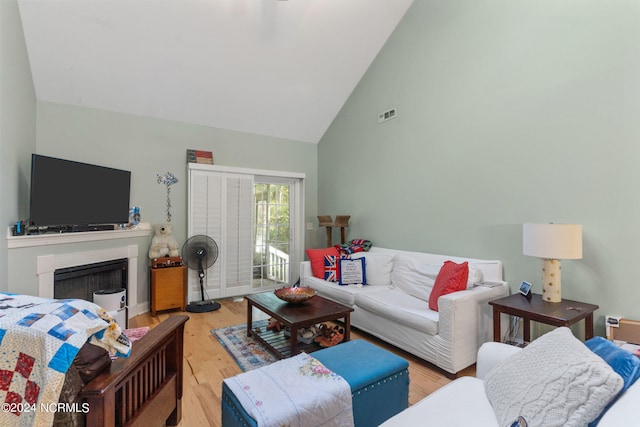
(68, 193)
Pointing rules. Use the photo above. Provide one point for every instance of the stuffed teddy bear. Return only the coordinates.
(163, 243)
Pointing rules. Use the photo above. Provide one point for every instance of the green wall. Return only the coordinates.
(148, 147)
(17, 126)
(508, 112)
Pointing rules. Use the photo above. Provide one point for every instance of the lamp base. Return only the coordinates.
(551, 291)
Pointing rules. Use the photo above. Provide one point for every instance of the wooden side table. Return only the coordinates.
(168, 288)
(563, 313)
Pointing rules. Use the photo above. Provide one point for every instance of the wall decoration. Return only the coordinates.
(200, 156)
(168, 179)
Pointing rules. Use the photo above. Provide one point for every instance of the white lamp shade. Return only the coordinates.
(552, 241)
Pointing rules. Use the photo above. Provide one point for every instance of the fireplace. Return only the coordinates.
(83, 280)
(66, 265)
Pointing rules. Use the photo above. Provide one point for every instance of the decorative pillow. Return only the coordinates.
(352, 271)
(451, 278)
(623, 362)
(316, 257)
(331, 272)
(555, 381)
(378, 267)
(475, 276)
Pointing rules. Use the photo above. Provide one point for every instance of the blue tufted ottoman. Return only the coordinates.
(379, 383)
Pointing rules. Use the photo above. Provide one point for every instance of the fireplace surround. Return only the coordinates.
(46, 265)
(33, 259)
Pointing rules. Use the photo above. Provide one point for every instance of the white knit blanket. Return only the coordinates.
(295, 392)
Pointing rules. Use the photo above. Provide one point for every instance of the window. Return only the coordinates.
(256, 218)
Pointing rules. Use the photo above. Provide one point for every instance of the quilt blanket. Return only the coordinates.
(295, 392)
(39, 338)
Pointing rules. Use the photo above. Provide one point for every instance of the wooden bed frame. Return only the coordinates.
(144, 389)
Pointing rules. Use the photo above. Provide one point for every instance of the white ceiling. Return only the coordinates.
(271, 67)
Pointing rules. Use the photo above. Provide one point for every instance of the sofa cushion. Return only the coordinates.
(452, 277)
(626, 407)
(459, 403)
(378, 266)
(414, 277)
(399, 307)
(316, 257)
(342, 294)
(555, 381)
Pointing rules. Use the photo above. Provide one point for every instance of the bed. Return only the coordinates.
(55, 368)
(146, 388)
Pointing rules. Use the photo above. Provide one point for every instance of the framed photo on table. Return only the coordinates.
(525, 289)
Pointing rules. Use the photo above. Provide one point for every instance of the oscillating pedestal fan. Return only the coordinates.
(199, 253)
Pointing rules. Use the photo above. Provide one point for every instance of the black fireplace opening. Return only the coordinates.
(80, 282)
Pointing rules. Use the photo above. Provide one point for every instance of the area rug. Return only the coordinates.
(248, 353)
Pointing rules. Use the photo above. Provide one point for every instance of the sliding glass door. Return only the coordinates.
(272, 233)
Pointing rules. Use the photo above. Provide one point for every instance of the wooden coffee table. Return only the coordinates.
(294, 316)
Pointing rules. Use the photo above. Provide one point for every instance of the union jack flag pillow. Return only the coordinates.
(331, 271)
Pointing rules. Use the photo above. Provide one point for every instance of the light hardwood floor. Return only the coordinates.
(207, 363)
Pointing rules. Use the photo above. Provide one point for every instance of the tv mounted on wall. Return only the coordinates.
(74, 196)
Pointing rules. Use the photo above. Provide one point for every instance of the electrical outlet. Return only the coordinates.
(387, 115)
(309, 226)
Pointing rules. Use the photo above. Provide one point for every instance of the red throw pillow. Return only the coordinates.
(451, 278)
(316, 256)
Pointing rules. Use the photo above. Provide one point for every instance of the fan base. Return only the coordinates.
(202, 306)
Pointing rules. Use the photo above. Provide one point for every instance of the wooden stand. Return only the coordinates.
(168, 288)
(342, 221)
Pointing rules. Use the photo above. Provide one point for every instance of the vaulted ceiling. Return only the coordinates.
(271, 67)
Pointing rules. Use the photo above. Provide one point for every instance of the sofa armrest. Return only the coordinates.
(491, 354)
(466, 321)
(305, 271)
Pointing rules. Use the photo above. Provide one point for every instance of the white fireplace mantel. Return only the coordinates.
(47, 264)
(14, 242)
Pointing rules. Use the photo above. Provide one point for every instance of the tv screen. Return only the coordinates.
(68, 193)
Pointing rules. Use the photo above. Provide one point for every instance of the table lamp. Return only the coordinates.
(552, 242)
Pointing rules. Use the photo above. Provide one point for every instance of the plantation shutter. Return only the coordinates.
(239, 228)
(221, 207)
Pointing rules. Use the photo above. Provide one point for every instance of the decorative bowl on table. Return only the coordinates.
(295, 294)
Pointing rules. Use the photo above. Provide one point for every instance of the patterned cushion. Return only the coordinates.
(331, 268)
(316, 257)
(555, 381)
(352, 271)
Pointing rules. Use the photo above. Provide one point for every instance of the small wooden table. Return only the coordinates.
(563, 313)
(294, 316)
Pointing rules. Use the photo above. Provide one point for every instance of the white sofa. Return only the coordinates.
(465, 402)
(394, 305)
